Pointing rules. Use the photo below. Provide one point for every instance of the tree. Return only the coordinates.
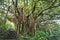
(25, 13)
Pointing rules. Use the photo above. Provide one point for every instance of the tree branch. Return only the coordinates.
(16, 9)
(33, 9)
(50, 7)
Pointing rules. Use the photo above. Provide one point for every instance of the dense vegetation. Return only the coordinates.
(30, 19)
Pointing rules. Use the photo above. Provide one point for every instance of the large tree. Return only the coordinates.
(27, 14)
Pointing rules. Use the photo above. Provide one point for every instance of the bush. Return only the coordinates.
(3, 33)
(54, 34)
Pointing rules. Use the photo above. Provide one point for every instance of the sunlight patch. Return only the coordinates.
(10, 25)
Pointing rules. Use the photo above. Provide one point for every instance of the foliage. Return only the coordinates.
(31, 17)
(9, 25)
(53, 35)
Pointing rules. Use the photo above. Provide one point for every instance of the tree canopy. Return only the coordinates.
(28, 16)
